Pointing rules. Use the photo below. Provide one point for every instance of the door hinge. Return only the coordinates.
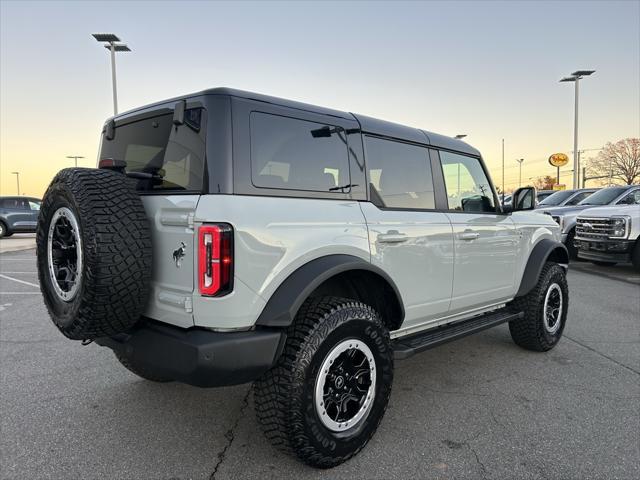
(190, 220)
(188, 305)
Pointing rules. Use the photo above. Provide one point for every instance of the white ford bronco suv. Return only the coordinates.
(229, 237)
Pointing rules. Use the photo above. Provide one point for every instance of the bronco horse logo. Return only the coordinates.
(178, 254)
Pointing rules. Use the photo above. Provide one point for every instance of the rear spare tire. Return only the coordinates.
(94, 253)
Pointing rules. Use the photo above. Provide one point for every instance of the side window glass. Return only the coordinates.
(34, 205)
(578, 198)
(632, 198)
(400, 173)
(468, 189)
(296, 154)
(18, 204)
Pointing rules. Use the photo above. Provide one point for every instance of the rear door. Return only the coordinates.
(409, 239)
(485, 240)
(169, 160)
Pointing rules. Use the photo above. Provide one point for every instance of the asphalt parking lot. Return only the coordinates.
(477, 408)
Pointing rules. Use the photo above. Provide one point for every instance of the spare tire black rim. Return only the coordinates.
(345, 386)
(64, 251)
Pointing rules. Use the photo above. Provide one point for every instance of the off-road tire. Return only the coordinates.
(529, 331)
(140, 370)
(571, 248)
(4, 231)
(116, 253)
(284, 396)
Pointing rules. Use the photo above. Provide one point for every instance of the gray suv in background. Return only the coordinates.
(18, 215)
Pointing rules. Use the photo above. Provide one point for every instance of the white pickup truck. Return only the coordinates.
(610, 235)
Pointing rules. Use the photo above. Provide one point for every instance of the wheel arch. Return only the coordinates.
(339, 275)
(545, 250)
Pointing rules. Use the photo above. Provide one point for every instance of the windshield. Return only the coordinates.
(604, 196)
(556, 198)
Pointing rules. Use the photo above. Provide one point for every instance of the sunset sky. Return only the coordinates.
(486, 69)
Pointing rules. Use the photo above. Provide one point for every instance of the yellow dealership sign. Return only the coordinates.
(558, 160)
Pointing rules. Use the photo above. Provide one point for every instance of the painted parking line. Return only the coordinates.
(19, 293)
(19, 281)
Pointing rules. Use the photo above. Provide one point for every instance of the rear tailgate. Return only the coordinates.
(172, 234)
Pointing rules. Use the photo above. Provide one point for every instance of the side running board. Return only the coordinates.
(405, 347)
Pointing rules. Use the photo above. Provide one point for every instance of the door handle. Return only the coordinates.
(468, 236)
(392, 236)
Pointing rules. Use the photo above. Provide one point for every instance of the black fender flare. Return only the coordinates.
(285, 302)
(541, 252)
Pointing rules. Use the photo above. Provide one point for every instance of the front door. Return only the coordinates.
(485, 240)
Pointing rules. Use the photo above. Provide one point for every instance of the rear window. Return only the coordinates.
(174, 155)
(293, 154)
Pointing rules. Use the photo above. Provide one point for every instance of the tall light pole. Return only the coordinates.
(503, 170)
(520, 160)
(575, 78)
(110, 40)
(75, 157)
(17, 174)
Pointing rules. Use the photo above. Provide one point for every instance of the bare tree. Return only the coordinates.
(544, 183)
(618, 161)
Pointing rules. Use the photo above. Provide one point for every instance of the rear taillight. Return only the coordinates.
(215, 259)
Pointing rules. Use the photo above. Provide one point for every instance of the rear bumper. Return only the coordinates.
(605, 250)
(200, 357)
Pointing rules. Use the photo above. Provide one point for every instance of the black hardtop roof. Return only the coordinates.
(368, 124)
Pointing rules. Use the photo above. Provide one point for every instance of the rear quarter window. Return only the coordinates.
(294, 154)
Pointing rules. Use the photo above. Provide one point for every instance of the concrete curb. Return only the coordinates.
(6, 246)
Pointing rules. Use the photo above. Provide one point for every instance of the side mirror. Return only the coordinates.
(524, 199)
